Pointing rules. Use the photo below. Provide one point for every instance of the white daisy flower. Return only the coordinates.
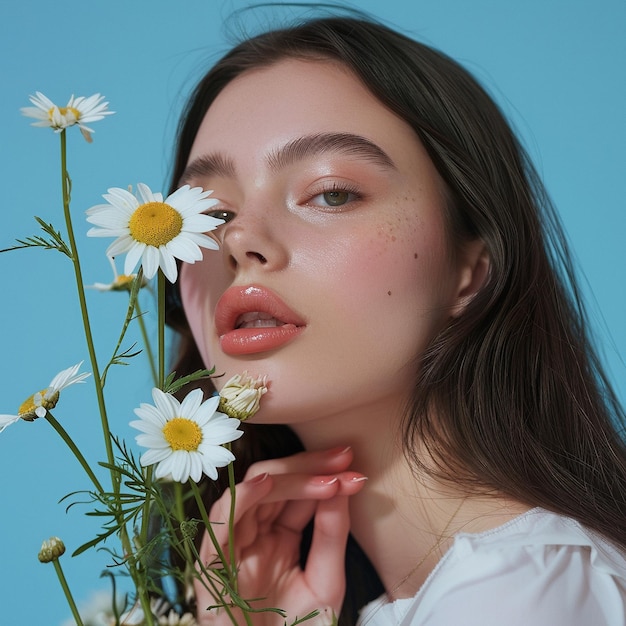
(121, 282)
(41, 402)
(241, 396)
(155, 231)
(80, 111)
(185, 438)
(98, 610)
(135, 615)
(174, 619)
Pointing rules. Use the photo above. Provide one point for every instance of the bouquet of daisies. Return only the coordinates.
(142, 503)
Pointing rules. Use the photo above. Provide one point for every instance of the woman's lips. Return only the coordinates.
(254, 319)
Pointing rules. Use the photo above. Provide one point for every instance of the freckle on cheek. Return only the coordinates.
(415, 255)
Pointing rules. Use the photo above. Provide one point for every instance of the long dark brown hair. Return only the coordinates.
(522, 405)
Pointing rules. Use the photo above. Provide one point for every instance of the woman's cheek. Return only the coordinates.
(199, 306)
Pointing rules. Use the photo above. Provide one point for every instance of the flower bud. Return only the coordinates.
(241, 396)
(51, 550)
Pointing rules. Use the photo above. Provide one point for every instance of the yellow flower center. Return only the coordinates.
(28, 407)
(64, 111)
(182, 434)
(123, 282)
(155, 224)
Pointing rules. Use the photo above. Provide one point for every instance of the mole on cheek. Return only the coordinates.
(389, 293)
(415, 255)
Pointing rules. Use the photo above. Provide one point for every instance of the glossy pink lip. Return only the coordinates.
(237, 301)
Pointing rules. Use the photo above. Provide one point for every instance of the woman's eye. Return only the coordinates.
(335, 197)
(221, 214)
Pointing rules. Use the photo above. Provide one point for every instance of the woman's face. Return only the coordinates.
(334, 270)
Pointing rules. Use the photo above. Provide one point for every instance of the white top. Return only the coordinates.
(539, 569)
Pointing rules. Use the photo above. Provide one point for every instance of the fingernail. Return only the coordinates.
(358, 479)
(322, 481)
(338, 450)
(258, 479)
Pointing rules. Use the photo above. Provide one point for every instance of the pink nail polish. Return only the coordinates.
(358, 479)
(322, 481)
(258, 479)
(339, 450)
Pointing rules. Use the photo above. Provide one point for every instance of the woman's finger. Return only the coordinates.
(297, 513)
(325, 566)
(316, 462)
(266, 489)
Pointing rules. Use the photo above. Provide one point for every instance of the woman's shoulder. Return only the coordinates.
(539, 568)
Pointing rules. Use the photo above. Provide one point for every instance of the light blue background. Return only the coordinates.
(556, 67)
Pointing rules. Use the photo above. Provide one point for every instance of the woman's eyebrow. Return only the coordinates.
(312, 145)
(208, 165)
(355, 146)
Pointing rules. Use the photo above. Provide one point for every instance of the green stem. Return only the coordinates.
(145, 515)
(147, 610)
(213, 590)
(179, 513)
(161, 327)
(208, 525)
(66, 188)
(231, 523)
(146, 343)
(130, 314)
(66, 590)
(66, 184)
(77, 453)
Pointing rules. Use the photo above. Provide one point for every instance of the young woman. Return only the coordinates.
(438, 441)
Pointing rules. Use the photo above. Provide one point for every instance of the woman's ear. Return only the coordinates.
(474, 265)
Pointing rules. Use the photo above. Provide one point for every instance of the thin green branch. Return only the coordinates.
(161, 328)
(66, 186)
(75, 451)
(67, 592)
(146, 343)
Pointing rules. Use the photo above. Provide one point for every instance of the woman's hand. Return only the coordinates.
(274, 503)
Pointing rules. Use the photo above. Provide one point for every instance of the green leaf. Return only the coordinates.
(172, 384)
(54, 242)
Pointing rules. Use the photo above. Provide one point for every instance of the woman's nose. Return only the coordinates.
(254, 241)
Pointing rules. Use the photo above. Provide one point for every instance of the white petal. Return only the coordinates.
(150, 457)
(148, 426)
(122, 199)
(7, 420)
(150, 413)
(135, 253)
(167, 404)
(112, 220)
(183, 249)
(149, 261)
(207, 410)
(191, 403)
(203, 241)
(201, 223)
(210, 469)
(120, 246)
(195, 466)
(218, 456)
(146, 195)
(177, 464)
(167, 264)
(153, 442)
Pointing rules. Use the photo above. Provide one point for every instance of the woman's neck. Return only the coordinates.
(403, 520)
